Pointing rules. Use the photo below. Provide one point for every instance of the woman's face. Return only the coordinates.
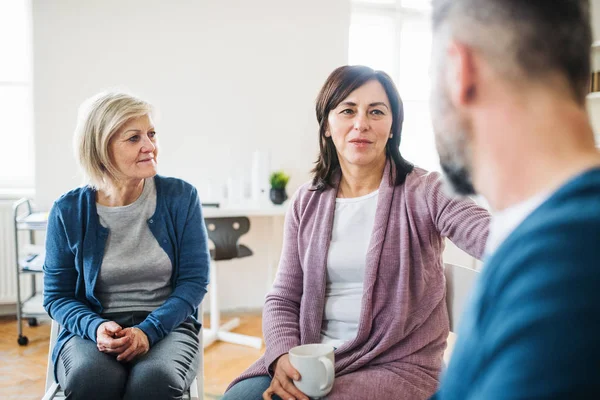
(133, 149)
(360, 125)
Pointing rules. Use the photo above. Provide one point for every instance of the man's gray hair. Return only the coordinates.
(531, 39)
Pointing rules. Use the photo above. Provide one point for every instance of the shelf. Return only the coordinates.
(35, 221)
(596, 45)
(32, 260)
(33, 306)
(30, 271)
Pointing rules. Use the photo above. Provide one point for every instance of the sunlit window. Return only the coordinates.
(16, 117)
(395, 36)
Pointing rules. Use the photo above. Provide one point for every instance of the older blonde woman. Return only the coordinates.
(126, 263)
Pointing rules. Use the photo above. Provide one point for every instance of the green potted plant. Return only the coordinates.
(279, 180)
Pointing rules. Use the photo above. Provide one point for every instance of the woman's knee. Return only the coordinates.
(86, 373)
(92, 383)
(157, 381)
(249, 389)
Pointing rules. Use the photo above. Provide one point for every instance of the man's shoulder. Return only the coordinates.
(560, 240)
(565, 227)
(552, 257)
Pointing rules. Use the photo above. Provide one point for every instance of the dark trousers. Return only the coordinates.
(165, 372)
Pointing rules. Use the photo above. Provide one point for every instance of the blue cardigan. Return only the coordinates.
(531, 331)
(75, 242)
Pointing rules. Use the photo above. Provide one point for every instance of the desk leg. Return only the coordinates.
(272, 252)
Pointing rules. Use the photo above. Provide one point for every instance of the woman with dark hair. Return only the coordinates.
(361, 267)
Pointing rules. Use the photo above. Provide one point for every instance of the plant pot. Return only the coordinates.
(278, 196)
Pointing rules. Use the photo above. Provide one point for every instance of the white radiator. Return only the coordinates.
(8, 273)
(8, 288)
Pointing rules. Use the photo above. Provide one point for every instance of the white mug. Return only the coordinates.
(315, 363)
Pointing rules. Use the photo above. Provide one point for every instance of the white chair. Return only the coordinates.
(225, 232)
(54, 391)
(459, 283)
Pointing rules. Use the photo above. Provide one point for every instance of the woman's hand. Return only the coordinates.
(282, 384)
(138, 346)
(109, 339)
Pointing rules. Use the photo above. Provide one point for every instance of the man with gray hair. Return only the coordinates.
(508, 108)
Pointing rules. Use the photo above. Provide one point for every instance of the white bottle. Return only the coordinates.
(260, 176)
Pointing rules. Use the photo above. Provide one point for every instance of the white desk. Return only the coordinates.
(246, 210)
(253, 210)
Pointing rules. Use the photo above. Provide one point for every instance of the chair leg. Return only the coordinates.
(194, 394)
(51, 392)
(221, 332)
(198, 384)
(215, 312)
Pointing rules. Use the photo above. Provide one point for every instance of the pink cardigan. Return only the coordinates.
(397, 353)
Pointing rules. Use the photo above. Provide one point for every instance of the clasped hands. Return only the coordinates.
(126, 343)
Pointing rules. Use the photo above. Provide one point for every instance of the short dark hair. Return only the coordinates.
(548, 36)
(340, 83)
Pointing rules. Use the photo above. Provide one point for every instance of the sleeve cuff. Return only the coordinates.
(276, 352)
(269, 362)
(93, 328)
(151, 331)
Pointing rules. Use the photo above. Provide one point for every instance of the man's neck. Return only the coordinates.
(528, 148)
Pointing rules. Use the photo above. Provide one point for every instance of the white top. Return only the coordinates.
(507, 220)
(352, 228)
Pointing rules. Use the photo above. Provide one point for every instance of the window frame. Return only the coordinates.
(12, 186)
(399, 14)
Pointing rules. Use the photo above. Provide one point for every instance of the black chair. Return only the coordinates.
(225, 233)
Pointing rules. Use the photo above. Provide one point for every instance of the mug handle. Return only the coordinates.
(330, 373)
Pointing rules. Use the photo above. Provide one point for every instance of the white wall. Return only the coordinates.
(227, 77)
(595, 11)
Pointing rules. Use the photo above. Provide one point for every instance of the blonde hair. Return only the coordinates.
(99, 118)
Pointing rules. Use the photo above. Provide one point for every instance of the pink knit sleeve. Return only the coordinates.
(464, 222)
(281, 313)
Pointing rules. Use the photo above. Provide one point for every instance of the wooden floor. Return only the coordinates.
(23, 368)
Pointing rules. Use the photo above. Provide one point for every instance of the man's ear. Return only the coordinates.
(462, 73)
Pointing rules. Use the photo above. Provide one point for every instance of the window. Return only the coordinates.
(395, 36)
(16, 100)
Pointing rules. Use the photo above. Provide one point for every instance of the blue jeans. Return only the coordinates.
(250, 389)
